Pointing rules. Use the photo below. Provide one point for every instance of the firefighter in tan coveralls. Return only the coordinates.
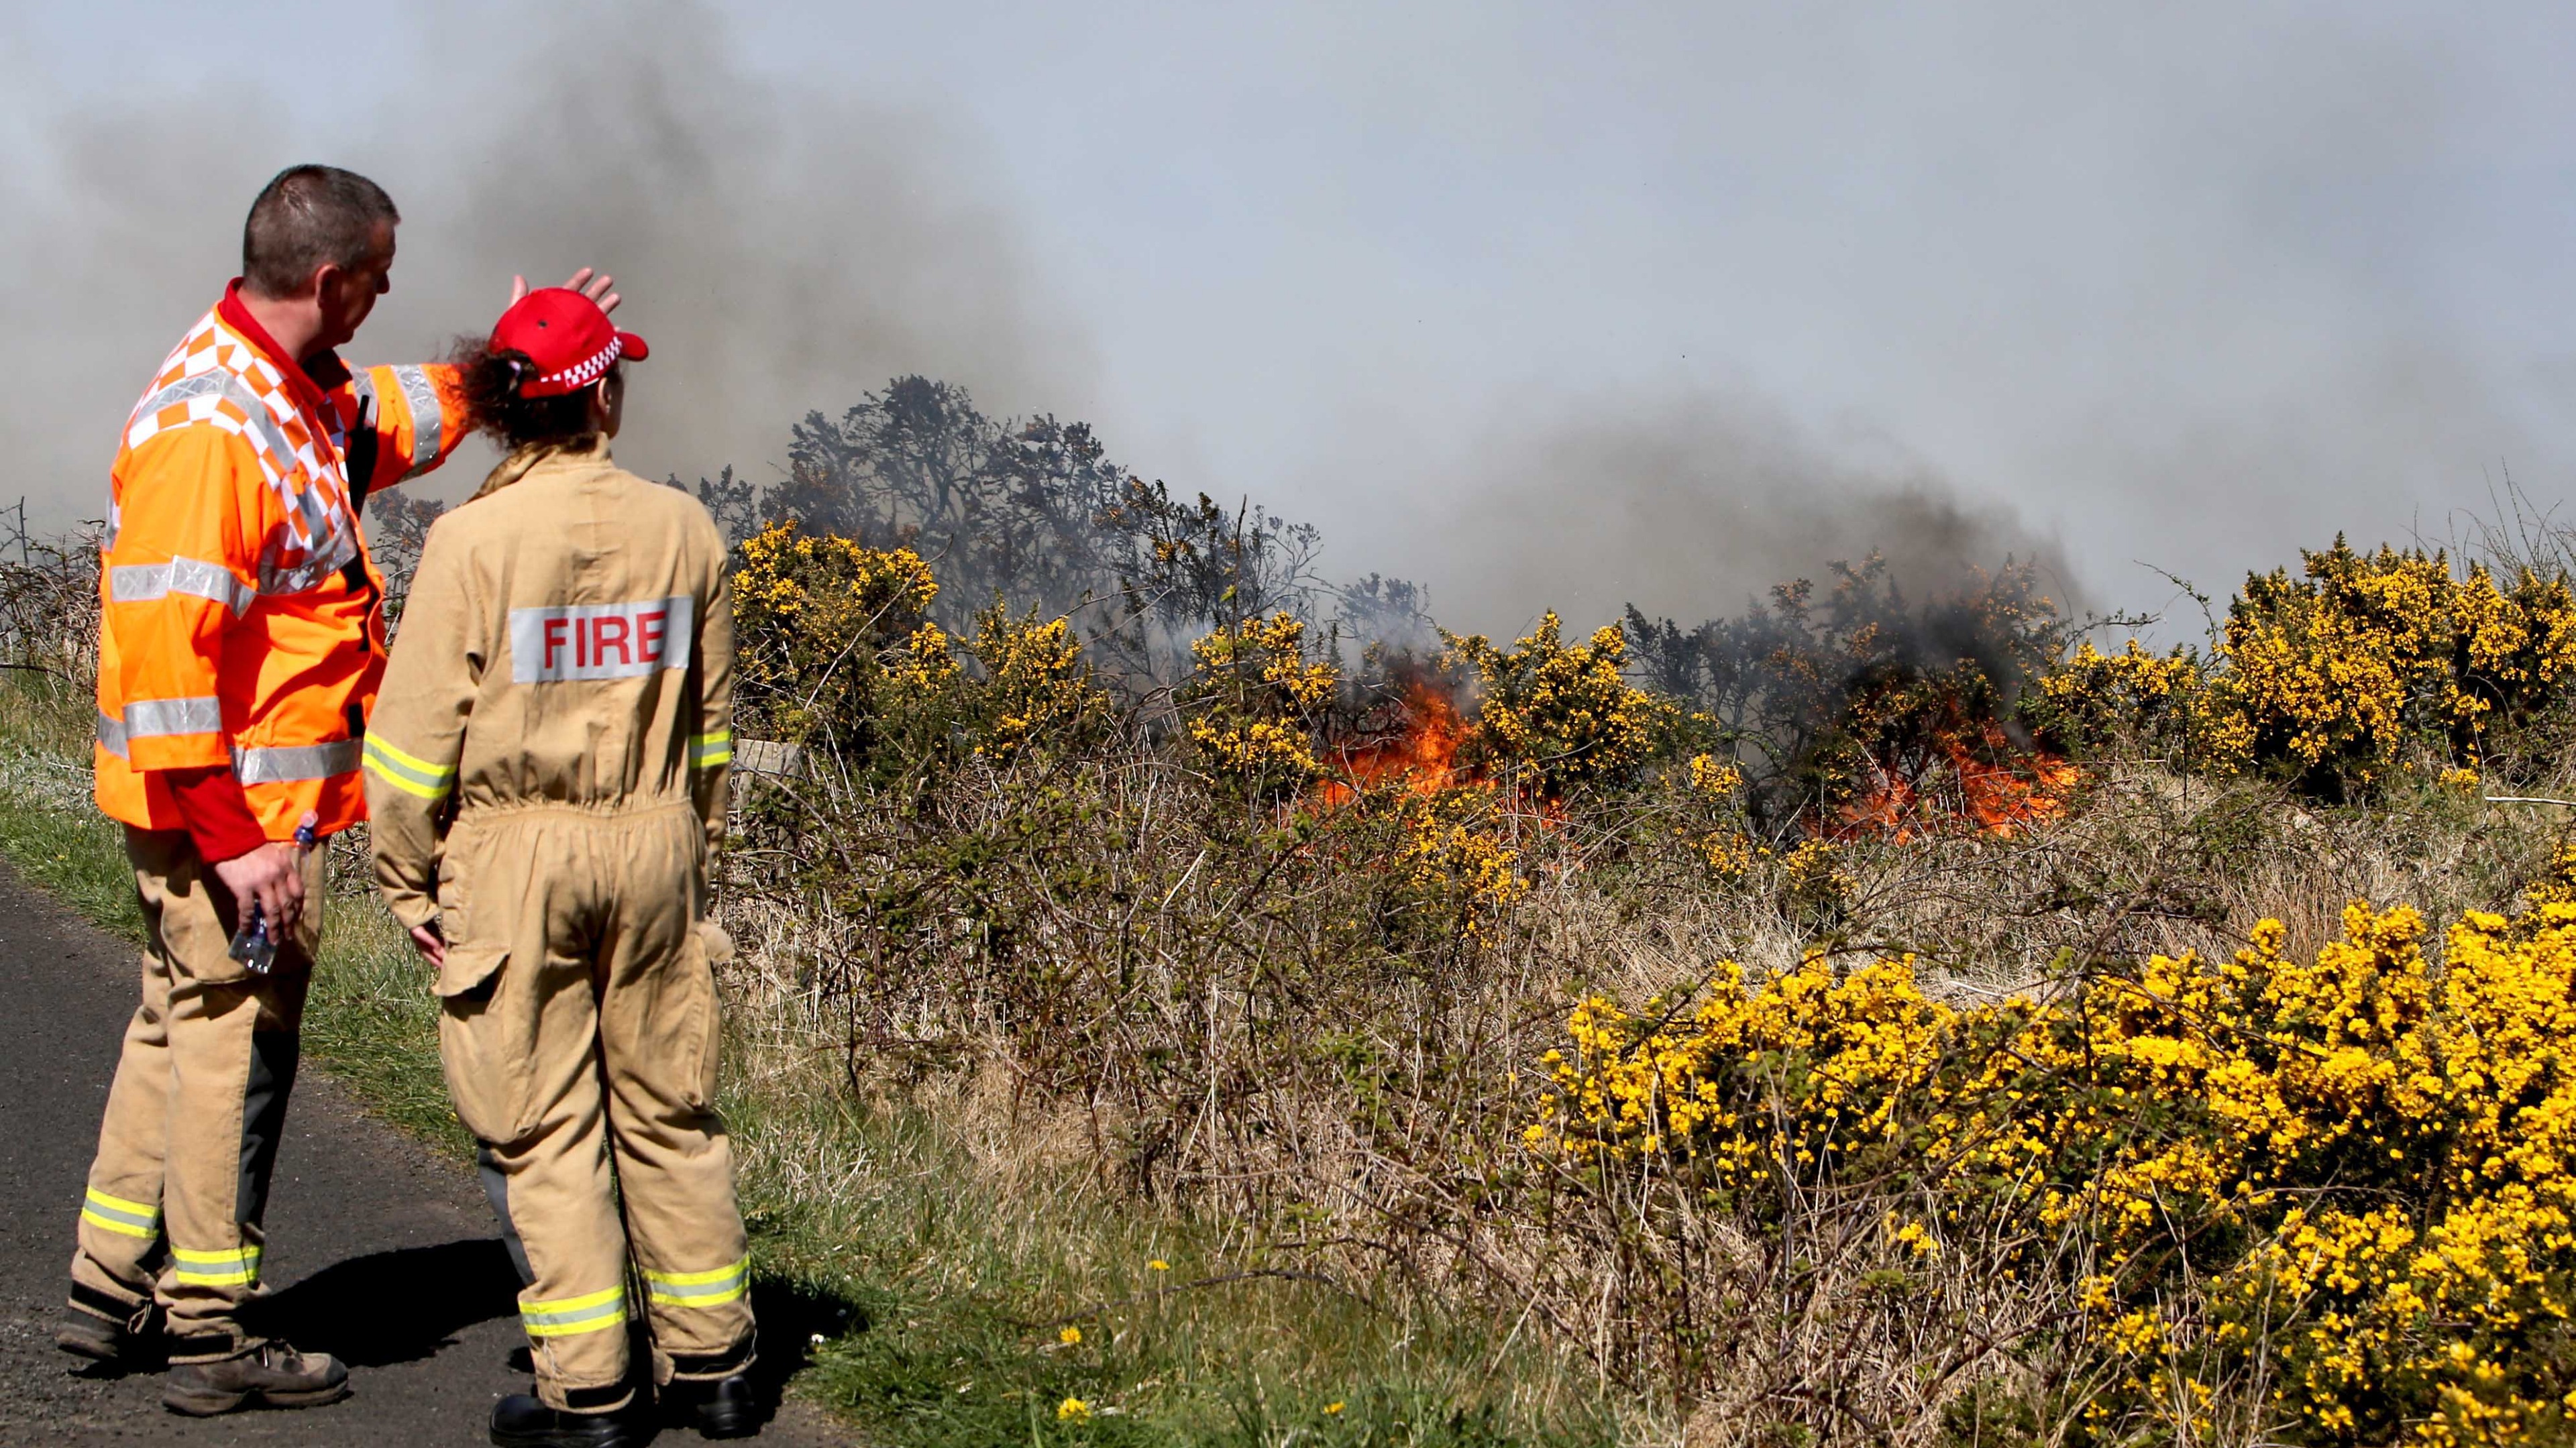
(546, 773)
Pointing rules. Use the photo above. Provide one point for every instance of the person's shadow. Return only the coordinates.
(405, 1305)
(392, 1307)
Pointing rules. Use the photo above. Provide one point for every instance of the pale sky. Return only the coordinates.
(1545, 305)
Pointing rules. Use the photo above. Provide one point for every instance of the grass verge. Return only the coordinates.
(939, 1270)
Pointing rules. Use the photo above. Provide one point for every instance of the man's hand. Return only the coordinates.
(431, 945)
(271, 876)
(597, 289)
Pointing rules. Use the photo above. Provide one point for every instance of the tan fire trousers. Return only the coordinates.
(579, 1035)
(181, 1178)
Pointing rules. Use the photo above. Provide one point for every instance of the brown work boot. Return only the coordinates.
(109, 1331)
(124, 1344)
(270, 1374)
(130, 1341)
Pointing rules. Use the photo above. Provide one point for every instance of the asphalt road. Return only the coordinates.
(377, 1251)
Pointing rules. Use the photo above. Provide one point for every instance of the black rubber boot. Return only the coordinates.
(270, 1375)
(724, 1408)
(520, 1421)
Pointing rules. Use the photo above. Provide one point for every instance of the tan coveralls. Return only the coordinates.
(209, 1058)
(239, 626)
(562, 682)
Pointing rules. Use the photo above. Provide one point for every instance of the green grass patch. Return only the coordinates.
(372, 1019)
(1008, 1303)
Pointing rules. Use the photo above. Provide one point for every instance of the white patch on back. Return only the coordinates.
(601, 640)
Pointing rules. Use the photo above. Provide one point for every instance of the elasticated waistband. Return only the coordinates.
(624, 812)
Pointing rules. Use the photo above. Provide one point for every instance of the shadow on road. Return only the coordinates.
(405, 1305)
(393, 1307)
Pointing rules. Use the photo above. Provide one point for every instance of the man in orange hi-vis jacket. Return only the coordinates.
(240, 643)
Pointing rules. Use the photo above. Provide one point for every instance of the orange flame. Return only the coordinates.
(1423, 758)
(1961, 787)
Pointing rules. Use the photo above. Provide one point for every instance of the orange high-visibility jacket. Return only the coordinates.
(241, 618)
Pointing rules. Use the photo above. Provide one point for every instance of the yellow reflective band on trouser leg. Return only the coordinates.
(568, 1315)
(697, 1289)
(223, 1267)
(706, 751)
(116, 1214)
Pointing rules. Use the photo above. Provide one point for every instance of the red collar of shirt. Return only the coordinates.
(309, 378)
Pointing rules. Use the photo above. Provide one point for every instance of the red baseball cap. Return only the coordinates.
(567, 336)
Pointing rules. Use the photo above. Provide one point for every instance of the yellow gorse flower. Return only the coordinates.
(2372, 1159)
(1446, 848)
(1562, 712)
(1035, 686)
(812, 615)
(1254, 699)
(2338, 675)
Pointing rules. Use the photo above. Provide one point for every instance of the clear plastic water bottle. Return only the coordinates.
(253, 945)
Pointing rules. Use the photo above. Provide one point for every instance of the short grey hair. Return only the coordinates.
(310, 216)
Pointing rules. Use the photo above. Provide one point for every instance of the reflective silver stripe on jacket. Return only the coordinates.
(220, 383)
(332, 542)
(145, 582)
(156, 718)
(277, 764)
(111, 735)
(363, 383)
(425, 417)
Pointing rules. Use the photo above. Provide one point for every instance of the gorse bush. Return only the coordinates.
(2135, 703)
(2331, 678)
(1255, 705)
(815, 619)
(1559, 715)
(1032, 693)
(2367, 664)
(2353, 1176)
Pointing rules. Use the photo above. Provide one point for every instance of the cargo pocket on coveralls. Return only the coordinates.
(708, 948)
(483, 1050)
(195, 919)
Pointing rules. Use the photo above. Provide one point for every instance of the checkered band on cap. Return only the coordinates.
(579, 375)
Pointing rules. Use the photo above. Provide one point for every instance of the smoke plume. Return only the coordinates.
(2193, 287)
(783, 249)
(1694, 508)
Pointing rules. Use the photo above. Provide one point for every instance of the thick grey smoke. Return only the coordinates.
(116, 238)
(2194, 284)
(783, 249)
(1692, 509)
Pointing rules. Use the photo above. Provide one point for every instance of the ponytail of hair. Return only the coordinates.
(491, 384)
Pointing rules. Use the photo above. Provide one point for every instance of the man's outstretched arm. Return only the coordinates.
(411, 416)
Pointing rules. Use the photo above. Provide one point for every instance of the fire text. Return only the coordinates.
(600, 640)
